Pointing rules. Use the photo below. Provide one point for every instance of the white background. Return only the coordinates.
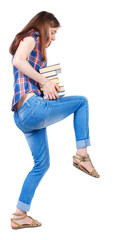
(98, 49)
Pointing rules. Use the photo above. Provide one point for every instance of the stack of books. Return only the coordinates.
(51, 74)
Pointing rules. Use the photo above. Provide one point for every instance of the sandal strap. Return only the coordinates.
(77, 163)
(23, 215)
(19, 214)
(34, 222)
(81, 158)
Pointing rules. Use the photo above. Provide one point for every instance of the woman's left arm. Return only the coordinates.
(20, 61)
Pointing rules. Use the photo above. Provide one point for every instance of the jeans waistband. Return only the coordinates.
(26, 104)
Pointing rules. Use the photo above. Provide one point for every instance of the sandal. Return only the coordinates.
(34, 223)
(76, 164)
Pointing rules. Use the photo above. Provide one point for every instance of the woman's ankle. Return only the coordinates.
(19, 211)
(82, 151)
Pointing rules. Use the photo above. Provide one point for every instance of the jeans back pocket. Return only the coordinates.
(29, 117)
(33, 122)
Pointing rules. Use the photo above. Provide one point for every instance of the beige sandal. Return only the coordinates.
(84, 159)
(34, 223)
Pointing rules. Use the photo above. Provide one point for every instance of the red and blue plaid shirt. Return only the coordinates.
(22, 83)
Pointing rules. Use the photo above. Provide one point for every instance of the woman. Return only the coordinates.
(33, 113)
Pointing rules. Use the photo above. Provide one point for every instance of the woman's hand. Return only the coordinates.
(50, 90)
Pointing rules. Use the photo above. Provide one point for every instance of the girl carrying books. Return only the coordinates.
(33, 114)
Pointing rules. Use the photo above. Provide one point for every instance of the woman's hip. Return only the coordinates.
(38, 113)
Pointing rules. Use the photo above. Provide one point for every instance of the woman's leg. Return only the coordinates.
(53, 111)
(34, 116)
(56, 110)
(37, 141)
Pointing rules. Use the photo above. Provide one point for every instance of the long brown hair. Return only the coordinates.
(41, 23)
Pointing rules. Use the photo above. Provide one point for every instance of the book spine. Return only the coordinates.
(49, 68)
(51, 73)
(53, 77)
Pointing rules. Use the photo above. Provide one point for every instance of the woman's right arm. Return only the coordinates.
(20, 61)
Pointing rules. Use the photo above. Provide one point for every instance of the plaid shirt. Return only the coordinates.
(22, 83)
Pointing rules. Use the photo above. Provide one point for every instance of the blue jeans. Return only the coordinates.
(32, 119)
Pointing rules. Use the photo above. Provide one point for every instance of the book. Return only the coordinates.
(53, 77)
(61, 88)
(51, 74)
(50, 68)
(61, 94)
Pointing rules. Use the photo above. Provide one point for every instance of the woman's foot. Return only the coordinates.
(83, 162)
(21, 220)
(82, 152)
(87, 165)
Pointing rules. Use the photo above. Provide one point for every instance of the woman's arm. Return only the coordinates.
(19, 61)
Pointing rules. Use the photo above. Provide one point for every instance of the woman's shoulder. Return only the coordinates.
(33, 33)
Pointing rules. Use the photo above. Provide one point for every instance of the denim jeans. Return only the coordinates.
(35, 115)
